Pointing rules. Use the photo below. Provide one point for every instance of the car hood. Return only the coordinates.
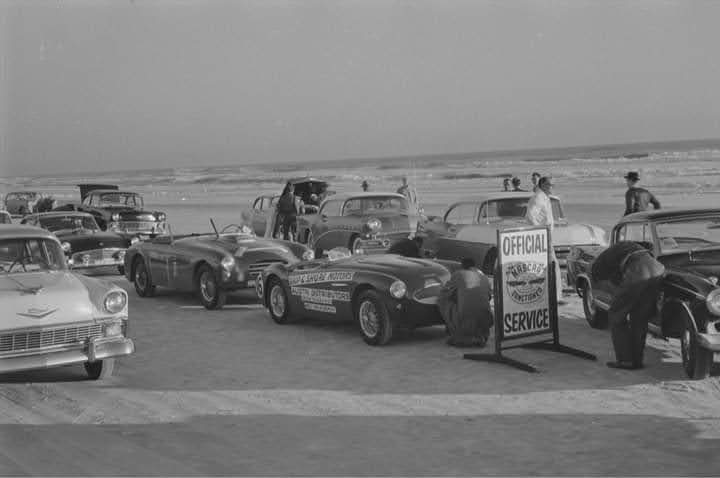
(240, 245)
(39, 299)
(701, 263)
(392, 222)
(407, 269)
(85, 239)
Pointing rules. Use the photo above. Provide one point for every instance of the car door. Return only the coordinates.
(459, 216)
(157, 254)
(325, 228)
(260, 215)
(319, 291)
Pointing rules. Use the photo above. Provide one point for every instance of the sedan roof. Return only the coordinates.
(14, 231)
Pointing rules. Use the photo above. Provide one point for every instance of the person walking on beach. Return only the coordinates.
(516, 185)
(365, 186)
(540, 213)
(464, 304)
(535, 178)
(637, 198)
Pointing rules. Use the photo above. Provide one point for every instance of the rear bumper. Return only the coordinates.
(94, 349)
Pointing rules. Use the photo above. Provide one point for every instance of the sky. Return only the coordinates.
(115, 85)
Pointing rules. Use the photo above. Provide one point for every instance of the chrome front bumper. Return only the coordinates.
(93, 349)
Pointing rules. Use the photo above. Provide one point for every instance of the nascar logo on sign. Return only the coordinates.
(524, 258)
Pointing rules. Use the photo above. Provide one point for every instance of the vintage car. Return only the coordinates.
(364, 223)
(118, 211)
(383, 292)
(19, 203)
(52, 316)
(469, 229)
(86, 246)
(5, 217)
(209, 264)
(687, 243)
(307, 190)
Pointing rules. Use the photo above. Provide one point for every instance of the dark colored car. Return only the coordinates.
(209, 264)
(86, 246)
(687, 243)
(364, 222)
(382, 292)
(119, 211)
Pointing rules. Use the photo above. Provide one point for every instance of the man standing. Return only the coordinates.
(404, 189)
(365, 186)
(535, 178)
(287, 211)
(464, 303)
(516, 185)
(540, 213)
(637, 198)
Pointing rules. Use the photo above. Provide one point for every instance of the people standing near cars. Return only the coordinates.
(540, 213)
(638, 276)
(516, 185)
(464, 303)
(535, 178)
(637, 198)
(286, 212)
(506, 184)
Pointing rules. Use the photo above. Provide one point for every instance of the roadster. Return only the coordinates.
(687, 243)
(209, 264)
(382, 292)
(52, 316)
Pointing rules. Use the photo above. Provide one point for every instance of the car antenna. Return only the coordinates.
(212, 223)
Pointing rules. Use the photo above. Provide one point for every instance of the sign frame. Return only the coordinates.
(547, 343)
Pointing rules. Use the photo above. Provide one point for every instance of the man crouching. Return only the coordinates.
(464, 303)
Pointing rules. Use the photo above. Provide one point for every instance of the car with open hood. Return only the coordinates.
(468, 228)
(86, 246)
(52, 316)
(382, 292)
(117, 210)
(210, 264)
(687, 243)
(367, 223)
(19, 203)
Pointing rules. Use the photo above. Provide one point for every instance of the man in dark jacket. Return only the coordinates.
(286, 212)
(407, 247)
(464, 303)
(637, 198)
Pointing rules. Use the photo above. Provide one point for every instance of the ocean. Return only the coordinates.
(589, 180)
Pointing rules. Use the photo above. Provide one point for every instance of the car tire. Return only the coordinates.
(277, 301)
(100, 369)
(595, 316)
(353, 244)
(142, 281)
(373, 318)
(697, 361)
(211, 296)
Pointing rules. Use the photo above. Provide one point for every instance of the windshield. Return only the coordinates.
(690, 234)
(121, 199)
(57, 223)
(375, 205)
(513, 208)
(30, 255)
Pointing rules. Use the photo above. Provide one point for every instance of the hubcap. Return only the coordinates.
(354, 245)
(141, 278)
(369, 322)
(207, 286)
(277, 301)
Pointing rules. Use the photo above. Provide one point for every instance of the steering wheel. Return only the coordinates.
(232, 228)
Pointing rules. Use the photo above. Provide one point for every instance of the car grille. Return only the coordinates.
(39, 339)
(255, 269)
(137, 226)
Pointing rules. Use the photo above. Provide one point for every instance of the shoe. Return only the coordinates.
(623, 365)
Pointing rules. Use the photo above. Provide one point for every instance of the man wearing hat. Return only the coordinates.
(637, 198)
(516, 184)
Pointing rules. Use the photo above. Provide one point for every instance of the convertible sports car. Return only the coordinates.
(382, 292)
(209, 264)
(469, 229)
(364, 223)
(117, 211)
(52, 316)
(687, 243)
(86, 246)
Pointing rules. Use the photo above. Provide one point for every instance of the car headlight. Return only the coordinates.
(113, 329)
(308, 255)
(161, 216)
(713, 302)
(398, 289)
(134, 240)
(227, 264)
(115, 217)
(115, 301)
(373, 225)
(66, 247)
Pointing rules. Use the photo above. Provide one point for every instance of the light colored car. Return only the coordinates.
(52, 316)
(468, 228)
(5, 217)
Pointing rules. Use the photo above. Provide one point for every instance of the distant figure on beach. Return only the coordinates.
(506, 184)
(365, 186)
(535, 178)
(540, 213)
(516, 185)
(464, 304)
(637, 198)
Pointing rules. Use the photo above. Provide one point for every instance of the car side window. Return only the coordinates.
(258, 203)
(331, 208)
(464, 213)
(352, 207)
(636, 232)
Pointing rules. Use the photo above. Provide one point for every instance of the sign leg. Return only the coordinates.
(557, 347)
(499, 358)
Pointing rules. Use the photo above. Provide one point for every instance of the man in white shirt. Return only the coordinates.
(540, 213)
